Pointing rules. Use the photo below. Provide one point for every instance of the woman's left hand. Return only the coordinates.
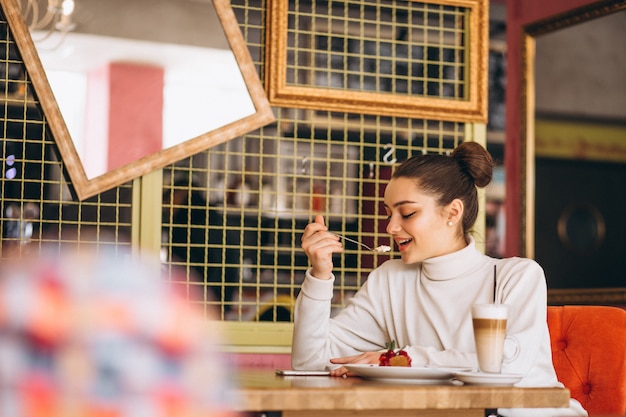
(365, 357)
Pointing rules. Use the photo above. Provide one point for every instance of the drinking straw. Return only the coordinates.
(495, 284)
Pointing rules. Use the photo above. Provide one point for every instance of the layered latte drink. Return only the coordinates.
(489, 322)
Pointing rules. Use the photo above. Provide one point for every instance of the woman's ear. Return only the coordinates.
(455, 211)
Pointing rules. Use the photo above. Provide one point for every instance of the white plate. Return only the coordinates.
(483, 378)
(403, 373)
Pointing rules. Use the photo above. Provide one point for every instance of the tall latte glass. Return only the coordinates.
(489, 322)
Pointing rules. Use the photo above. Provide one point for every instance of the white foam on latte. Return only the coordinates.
(490, 311)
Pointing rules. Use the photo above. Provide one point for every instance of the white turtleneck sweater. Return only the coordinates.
(425, 307)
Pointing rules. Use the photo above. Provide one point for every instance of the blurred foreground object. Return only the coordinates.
(99, 335)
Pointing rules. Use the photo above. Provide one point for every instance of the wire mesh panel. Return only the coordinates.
(37, 210)
(234, 215)
(389, 47)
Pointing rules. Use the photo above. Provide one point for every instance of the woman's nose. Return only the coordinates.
(392, 226)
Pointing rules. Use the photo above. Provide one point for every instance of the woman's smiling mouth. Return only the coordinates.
(402, 243)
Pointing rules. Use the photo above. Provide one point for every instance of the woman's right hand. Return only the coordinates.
(319, 245)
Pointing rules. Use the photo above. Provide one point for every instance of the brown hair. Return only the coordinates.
(449, 177)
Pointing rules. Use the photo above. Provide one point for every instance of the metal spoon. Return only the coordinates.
(379, 249)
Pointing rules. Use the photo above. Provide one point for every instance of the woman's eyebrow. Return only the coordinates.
(401, 203)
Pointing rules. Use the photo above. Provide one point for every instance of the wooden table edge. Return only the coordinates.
(389, 397)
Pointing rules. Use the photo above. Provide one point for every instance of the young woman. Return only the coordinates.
(423, 300)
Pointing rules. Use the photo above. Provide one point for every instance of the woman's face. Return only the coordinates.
(418, 225)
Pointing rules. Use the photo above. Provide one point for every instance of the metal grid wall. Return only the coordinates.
(240, 207)
(235, 226)
(37, 211)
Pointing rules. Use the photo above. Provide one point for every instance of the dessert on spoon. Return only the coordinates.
(379, 249)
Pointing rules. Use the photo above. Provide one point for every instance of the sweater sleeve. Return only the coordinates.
(317, 338)
(428, 355)
(309, 349)
(527, 348)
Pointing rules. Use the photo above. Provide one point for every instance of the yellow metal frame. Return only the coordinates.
(376, 143)
(242, 337)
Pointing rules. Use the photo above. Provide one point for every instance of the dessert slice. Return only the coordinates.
(393, 357)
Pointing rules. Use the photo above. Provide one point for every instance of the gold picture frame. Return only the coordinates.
(469, 106)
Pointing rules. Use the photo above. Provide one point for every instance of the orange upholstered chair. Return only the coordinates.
(589, 355)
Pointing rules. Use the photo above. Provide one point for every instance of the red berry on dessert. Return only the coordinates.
(391, 357)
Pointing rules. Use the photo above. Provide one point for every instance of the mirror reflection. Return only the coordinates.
(133, 79)
(199, 93)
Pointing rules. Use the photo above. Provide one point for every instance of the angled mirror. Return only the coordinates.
(570, 134)
(130, 87)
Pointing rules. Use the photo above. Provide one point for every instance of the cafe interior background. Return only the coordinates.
(254, 176)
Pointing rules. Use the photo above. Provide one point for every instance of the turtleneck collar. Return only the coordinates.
(452, 265)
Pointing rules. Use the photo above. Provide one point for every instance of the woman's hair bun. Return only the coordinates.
(475, 161)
